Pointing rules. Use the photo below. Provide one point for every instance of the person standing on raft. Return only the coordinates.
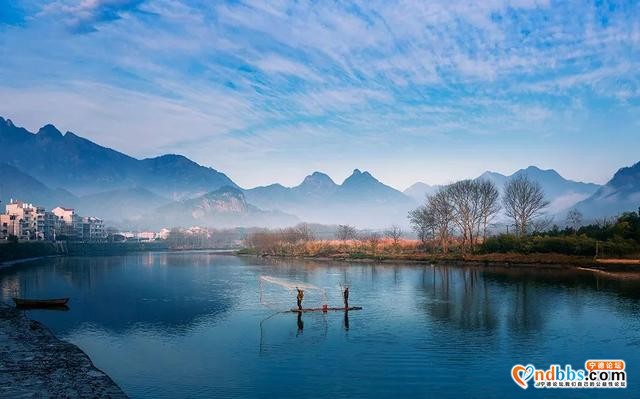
(300, 297)
(345, 296)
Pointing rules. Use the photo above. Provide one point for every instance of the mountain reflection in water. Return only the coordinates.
(191, 324)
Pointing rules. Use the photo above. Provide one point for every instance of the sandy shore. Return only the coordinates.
(36, 364)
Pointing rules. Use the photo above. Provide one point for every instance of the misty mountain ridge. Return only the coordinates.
(620, 194)
(419, 191)
(17, 185)
(319, 199)
(84, 167)
(50, 168)
(223, 208)
(120, 204)
(562, 193)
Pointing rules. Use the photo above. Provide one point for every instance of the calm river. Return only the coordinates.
(194, 324)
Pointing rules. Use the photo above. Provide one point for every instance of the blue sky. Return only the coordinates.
(271, 91)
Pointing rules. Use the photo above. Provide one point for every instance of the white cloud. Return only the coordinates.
(196, 76)
(275, 64)
(135, 123)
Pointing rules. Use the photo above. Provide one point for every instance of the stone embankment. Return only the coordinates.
(36, 364)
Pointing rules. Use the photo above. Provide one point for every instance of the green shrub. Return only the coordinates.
(579, 245)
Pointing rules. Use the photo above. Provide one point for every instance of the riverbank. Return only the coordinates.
(34, 363)
(18, 251)
(546, 260)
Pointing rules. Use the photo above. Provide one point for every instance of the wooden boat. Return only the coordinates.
(40, 303)
(304, 310)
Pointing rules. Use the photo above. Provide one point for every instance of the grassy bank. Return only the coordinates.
(493, 258)
(571, 252)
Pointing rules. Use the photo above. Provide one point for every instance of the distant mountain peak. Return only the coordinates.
(172, 158)
(488, 174)
(319, 174)
(317, 178)
(228, 190)
(315, 185)
(224, 199)
(415, 185)
(90, 168)
(420, 190)
(534, 170)
(621, 193)
(359, 177)
(626, 175)
(49, 131)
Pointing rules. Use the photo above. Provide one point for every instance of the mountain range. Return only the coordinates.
(15, 184)
(222, 208)
(621, 193)
(561, 192)
(319, 199)
(419, 191)
(50, 169)
(83, 167)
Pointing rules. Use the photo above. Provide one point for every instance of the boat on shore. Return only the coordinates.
(40, 303)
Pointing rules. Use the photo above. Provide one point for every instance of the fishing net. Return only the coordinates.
(280, 294)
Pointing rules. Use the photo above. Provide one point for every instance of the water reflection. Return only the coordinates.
(191, 324)
(118, 293)
(459, 296)
(300, 323)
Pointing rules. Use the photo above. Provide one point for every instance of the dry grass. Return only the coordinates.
(386, 249)
(337, 248)
(408, 250)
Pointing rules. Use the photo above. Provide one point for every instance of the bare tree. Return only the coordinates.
(394, 233)
(373, 240)
(442, 211)
(489, 204)
(464, 197)
(346, 232)
(604, 222)
(263, 241)
(300, 233)
(574, 219)
(422, 221)
(541, 224)
(305, 232)
(523, 201)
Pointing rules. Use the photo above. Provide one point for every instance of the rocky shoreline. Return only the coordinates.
(36, 364)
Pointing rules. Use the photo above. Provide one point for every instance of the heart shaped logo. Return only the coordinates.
(521, 374)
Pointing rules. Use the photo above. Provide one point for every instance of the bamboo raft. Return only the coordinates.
(305, 310)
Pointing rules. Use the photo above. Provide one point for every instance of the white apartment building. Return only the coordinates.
(23, 220)
(26, 221)
(93, 229)
(71, 224)
(146, 235)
